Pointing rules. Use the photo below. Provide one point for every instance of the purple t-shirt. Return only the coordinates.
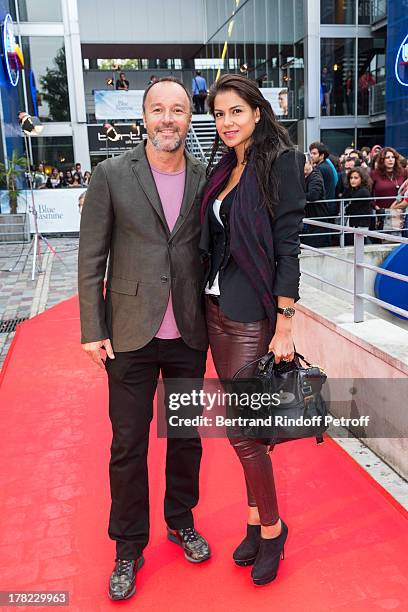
(170, 186)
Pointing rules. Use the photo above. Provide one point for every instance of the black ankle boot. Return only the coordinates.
(271, 551)
(245, 553)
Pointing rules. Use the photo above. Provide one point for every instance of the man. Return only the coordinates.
(78, 170)
(320, 158)
(122, 84)
(199, 89)
(142, 208)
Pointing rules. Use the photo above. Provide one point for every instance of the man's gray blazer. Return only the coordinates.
(123, 218)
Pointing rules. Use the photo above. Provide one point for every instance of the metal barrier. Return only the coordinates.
(343, 218)
(193, 145)
(359, 266)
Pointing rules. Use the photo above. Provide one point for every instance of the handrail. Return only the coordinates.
(359, 265)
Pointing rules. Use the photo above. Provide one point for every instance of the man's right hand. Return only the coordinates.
(93, 349)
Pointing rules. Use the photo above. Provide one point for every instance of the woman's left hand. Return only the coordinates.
(282, 346)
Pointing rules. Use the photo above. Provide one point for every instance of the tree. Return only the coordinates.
(55, 88)
(16, 166)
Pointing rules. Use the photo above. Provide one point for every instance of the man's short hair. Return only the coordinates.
(323, 150)
(169, 79)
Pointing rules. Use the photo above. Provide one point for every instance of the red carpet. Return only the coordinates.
(347, 545)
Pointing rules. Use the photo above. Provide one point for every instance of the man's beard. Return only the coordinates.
(168, 147)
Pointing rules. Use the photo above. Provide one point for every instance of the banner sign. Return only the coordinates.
(278, 98)
(128, 138)
(57, 209)
(118, 105)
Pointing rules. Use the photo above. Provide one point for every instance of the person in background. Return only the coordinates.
(68, 178)
(357, 206)
(76, 180)
(86, 178)
(319, 154)
(122, 84)
(348, 92)
(78, 170)
(81, 202)
(401, 204)
(199, 89)
(365, 152)
(314, 192)
(153, 79)
(40, 178)
(326, 89)
(62, 179)
(54, 181)
(283, 101)
(387, 178)
(349, 164)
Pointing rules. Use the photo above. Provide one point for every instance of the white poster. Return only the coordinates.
(57, 209)
(118, 104)
(278, 98)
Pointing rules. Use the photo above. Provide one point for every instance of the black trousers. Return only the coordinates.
(199, 104)
(132, 378)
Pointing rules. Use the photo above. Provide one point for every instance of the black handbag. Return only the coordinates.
(296, 408)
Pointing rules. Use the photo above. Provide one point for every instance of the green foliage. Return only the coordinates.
(16, 166)
(55, 88)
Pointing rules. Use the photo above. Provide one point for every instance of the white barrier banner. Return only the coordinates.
(118, 104)
(57, 209)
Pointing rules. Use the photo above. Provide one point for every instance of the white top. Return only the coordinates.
(215, 288)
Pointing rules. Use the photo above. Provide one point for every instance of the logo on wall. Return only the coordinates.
(12, 54)
(401, 63)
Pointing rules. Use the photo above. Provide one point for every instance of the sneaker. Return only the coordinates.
(196, 548)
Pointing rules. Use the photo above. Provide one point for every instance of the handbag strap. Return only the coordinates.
(264, 361)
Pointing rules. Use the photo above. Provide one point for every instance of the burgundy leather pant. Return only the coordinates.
(233, 344)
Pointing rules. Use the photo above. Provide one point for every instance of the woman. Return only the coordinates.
(76, 180)
(314, 207)
(68, 178)
(54, 181)
(252, 215)
(387, 179)
(358, 206)
(87, 178)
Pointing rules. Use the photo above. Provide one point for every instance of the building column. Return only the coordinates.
(76, 90)
(312, 71)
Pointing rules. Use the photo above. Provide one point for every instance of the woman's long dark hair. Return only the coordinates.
(269, 138)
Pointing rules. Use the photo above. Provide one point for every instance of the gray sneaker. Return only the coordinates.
(196, 548)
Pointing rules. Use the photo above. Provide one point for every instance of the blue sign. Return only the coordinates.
(12, 54)
(401, 63)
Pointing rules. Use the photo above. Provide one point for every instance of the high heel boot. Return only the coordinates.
(245, 553)
(271, 551)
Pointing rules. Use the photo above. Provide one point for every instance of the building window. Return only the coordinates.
(39, 10)
(45, 72)
(337, 79)
(53, 151)
(338, 140)
(338, 11)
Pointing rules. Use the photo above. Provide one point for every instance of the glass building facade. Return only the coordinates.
(266, 40)
(329, 56)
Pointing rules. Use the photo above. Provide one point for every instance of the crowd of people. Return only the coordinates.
(73, 177)
(373, 183)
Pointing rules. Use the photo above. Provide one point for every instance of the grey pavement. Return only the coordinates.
(20, 297)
